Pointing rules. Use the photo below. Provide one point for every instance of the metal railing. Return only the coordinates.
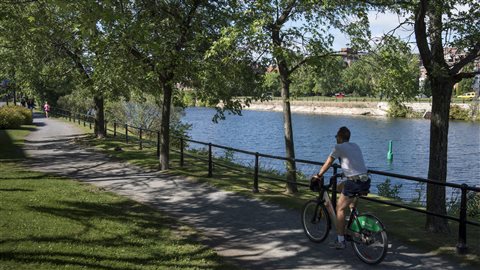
(461, 246)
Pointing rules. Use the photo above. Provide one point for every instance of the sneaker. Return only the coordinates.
(338, 245)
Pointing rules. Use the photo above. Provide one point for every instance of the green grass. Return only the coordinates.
(11, 142)
(49, 222)
(403, 225)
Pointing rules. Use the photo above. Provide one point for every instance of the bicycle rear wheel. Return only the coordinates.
(315, 221)
(372, 245)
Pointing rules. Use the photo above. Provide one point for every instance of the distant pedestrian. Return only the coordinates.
(30, 104)
(23, 101)
(46, 108)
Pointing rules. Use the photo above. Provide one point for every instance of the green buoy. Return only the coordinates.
(390, 151)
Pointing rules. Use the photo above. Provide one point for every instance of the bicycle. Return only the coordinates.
(365, 231)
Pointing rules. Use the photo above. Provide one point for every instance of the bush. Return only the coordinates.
(385, 189)
(473, 205)
(399, 110)
(457, 113)
(27, 114)
(14, 117)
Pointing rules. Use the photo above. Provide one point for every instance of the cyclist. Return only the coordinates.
(354, 169)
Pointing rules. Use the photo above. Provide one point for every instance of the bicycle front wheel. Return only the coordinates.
(315, 221)
(372, 244)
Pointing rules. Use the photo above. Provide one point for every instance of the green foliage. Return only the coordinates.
(325, 78)
(271, 83)
(386, 189)
(186, 98)
(420, 191)
(228, 155)
(473, 205)
(14, 116)
(144, 112)
(390, 72)
(458, 113)
(358, 77)
(399, 110)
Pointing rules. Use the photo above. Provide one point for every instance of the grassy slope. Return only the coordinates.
(49, 222)
(403, 225)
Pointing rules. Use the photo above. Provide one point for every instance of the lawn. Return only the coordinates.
(49, 222)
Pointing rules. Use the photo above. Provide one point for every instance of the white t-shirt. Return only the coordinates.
(351, 158)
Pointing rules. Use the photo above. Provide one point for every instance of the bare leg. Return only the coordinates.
(342, 204)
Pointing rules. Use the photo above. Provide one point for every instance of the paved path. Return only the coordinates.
(250, 233)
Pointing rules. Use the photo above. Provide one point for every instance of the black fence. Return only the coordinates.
(461, 218)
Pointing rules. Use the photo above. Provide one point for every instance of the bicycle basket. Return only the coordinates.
(315, 184)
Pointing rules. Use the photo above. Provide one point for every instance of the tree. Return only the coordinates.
(167, 40)
(434, 20)
(61, 37)
(288, 35)
(321, 78)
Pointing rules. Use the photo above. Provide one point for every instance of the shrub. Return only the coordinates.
(385, 189)
(473, 205)
(398, 110)
(457, 113)
(14, 117)
(27, 114)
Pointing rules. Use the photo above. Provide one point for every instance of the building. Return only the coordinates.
(452, 56)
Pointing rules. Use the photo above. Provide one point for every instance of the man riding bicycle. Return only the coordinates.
(354, 169)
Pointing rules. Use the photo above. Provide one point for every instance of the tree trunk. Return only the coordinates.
(165, 126)
(437, 169)
(99, 128)
(291, 186)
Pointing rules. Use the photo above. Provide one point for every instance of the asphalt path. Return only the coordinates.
(248, 232)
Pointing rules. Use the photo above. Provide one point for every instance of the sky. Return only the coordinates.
(380, 23)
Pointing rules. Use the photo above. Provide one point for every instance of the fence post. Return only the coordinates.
(140, 135)
(84, 124)
(158, 144)
(462, 226)
(126, 133)
(69, 116)
(181, 151)
(79, 119)
(90, 122)
(106, 127)
(114, 129)
(210, 163)
(255, 176)
(334, 188)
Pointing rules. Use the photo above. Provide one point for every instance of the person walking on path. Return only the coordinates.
(46, 108)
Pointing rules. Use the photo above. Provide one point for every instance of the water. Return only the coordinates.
(261, 131)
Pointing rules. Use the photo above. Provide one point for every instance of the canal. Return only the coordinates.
(262, 131)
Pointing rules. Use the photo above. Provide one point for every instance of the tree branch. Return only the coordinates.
(465, 75)
(140, 56)
(421, 34)
(186, 24)
(78, 62)
(472, 54)
(286, 12)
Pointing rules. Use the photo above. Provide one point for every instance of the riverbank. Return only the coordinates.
(379, 109)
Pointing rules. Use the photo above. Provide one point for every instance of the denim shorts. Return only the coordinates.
(353, 187)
